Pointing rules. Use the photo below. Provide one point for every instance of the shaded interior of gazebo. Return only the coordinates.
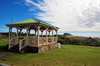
(37, 43)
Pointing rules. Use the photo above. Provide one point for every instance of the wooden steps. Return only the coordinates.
(15, 48)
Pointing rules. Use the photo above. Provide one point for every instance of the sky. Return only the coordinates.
(78, 17)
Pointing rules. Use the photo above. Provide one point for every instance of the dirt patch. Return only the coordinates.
(6, 53)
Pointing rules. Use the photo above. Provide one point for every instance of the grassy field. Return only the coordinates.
(67, 55)
(3, 46)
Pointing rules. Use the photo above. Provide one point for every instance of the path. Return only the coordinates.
(6, 53)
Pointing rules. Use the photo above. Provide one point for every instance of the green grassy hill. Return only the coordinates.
(3, 46)
(78, 40)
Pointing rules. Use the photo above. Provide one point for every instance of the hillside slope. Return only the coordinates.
(69, 39)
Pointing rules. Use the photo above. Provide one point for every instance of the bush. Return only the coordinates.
(73, 41)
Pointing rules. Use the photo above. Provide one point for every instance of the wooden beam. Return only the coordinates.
(56, 35)
(17, 33)
(35, 32)
(38, 28)
(52, 36)
(49, 32)
(46, 35)
(10, 30)
(42, 32)
(21, 31)
(27, 34)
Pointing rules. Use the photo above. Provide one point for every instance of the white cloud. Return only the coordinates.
(70, 15)
(28, 2)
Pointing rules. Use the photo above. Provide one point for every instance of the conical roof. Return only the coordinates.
(30, 21)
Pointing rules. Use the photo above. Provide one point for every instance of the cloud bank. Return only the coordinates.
(69, 15)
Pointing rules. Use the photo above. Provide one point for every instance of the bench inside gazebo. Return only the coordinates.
(45, 36)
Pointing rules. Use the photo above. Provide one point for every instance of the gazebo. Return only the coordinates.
(37, 43)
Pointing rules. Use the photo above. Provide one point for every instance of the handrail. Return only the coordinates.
(13, 42)
(21, 43)
(42, 40)
(32, 40)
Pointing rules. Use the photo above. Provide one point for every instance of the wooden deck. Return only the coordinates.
(32, 43)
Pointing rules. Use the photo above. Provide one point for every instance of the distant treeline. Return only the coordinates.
(4, 33)
(64, 39)
(88, 41)
(13, 33)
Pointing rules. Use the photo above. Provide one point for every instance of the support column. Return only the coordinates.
(52, 36)
(38, 28)
(10, 30)
(46, 35)
(35, 32)
(20, 31)
(17, 35)
(56, 35)
(27, 34)
(49, 32)
(42, 33)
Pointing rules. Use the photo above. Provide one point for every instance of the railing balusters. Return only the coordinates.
(50, 40)
(20, 44)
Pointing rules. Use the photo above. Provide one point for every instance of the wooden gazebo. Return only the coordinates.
(37, 43)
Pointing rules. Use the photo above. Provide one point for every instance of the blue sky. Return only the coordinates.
(80, 18)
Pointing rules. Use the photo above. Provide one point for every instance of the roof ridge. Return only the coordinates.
(30, 20)
(20, 20)
(42, 21)
(38, 19)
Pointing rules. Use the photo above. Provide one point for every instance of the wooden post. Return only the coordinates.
(52, 36)
(42, 33)
(38, 28)
(20, 45)
(20, 31)
(49, 32)
(46, 35)
(35, 32)
(17, 34)
(27, 34)
(56, 35)
(10, 30)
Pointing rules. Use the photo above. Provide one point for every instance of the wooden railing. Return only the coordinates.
(55, 39)
(22, 43)
(32, 41)
(13, 42)
(42, 40)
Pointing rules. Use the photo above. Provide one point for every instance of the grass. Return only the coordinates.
(3, 43)
(3, 46)
(67, 55)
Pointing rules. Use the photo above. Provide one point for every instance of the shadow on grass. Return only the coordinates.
(3, 48)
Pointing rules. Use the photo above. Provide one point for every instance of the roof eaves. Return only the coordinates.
(22, 23)
(50, 25)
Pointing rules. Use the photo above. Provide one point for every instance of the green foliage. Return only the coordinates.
(78, 41)
(14, 34)
(3, 46)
